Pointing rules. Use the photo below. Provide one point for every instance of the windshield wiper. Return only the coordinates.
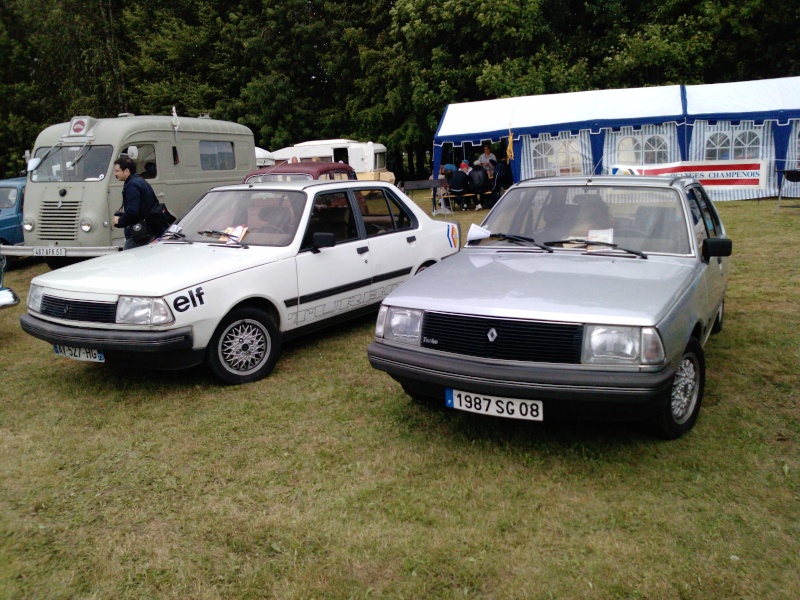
(46, 154)
(587, 242)
(81, 154)
(168, 235)
(520, 240)
(233, 240)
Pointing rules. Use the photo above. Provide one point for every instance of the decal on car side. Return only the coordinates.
(191, 299)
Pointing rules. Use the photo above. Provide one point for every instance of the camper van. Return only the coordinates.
(72, 194)
(367, 158)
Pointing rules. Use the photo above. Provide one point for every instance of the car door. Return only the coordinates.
(335, 280)
(390, 230)
(715, 272)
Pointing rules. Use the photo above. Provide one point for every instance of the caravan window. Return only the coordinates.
(216, 156)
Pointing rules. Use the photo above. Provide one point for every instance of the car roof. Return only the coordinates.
(612, 180)
(315, 169)
(302, 185)
(16, 181)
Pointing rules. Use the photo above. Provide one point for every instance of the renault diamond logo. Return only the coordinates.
(492, 335)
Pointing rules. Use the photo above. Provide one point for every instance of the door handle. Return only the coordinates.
(411, 238)
(363, 250)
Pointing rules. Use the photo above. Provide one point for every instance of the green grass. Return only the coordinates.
(325, 480)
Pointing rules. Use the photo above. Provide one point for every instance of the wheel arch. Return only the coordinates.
(260, 303)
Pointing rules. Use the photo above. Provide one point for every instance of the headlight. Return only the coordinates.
(86, 225)
(611, 345)
(133, 310)
(35, 298)
(399, 325)
(28, 224)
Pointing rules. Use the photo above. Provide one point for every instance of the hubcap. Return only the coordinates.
(685, 388)
(244, 346)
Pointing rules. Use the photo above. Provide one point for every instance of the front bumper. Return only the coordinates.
(170, 349)
(565, 391)
(59, 251)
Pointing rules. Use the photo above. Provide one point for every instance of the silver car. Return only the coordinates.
(576, 297)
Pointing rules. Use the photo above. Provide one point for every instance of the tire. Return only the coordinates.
(682, 408)
(245, 346)
(423, 267)
(717, 326)
(3, 262)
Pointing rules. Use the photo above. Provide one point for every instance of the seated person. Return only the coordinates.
(479, 182)
(460, 184)
(150, 170)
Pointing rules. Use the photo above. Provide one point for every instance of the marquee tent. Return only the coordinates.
(738, 138)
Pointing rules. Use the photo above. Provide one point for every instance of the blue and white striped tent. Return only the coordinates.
(750, 127)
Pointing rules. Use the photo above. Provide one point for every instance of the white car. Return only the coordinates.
(247, 267)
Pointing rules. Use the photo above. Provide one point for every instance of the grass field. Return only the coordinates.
(326, 481)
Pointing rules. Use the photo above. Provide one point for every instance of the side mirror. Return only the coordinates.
(33, 164)
(132, 152)
(717, 247)
(323, 239)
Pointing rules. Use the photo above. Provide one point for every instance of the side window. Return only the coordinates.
(381, 212)
(216, 156)
(710, 217)
(697, 217)
(331, 213)
(146, 163)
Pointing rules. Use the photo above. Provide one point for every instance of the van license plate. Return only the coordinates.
(48, 251)
(87, 354)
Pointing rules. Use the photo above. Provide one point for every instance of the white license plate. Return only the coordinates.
(495, 406)
(88, 354)
(48, 251)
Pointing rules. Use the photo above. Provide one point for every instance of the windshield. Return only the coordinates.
(8, 197)
(636, 218)
(72, 163)
(266, 217)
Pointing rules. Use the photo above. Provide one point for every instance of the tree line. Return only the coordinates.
(380, 70)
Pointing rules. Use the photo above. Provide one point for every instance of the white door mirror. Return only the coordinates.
(34, 163)
(132, 152)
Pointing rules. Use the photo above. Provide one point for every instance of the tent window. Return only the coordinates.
(747, 145)
(569, 158)
(655, 150)
(718, 147)
(629, 151)
(544, 163)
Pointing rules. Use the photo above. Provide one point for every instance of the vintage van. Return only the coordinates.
(72, 194)
(367, 158)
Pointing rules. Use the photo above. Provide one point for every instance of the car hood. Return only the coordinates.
(157, 269)
(562, 286)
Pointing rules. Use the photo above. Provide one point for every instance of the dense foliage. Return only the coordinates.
(382, 70)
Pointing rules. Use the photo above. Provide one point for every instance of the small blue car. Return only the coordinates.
(12, 195)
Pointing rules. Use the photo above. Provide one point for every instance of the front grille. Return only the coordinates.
(58, 219)
(532, 341)
(79, 310)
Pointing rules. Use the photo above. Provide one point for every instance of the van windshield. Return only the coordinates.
(72, 163)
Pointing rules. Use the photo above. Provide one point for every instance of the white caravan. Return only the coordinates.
(368, 159)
